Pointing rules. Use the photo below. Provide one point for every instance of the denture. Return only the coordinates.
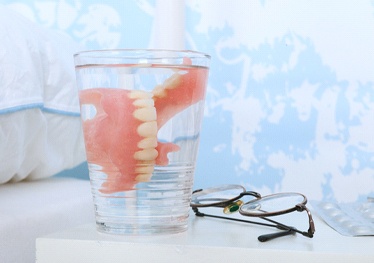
(122, 136)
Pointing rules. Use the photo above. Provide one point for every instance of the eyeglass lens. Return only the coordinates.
(215, 195)
(276, 203)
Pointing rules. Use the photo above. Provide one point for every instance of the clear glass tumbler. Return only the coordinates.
(141, 115)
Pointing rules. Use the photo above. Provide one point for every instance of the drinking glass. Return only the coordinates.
(141, 114)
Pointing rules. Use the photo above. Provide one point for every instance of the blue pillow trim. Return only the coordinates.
(38, 106)
(61, 112)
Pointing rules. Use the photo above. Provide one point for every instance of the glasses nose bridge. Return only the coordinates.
(251, 193)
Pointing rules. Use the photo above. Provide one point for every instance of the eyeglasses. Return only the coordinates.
(228, 197)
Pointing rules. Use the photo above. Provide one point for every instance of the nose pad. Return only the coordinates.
(233, 207)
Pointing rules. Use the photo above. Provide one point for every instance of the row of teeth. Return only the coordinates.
(146, 113)
(160, 91)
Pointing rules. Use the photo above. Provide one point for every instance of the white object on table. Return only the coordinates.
(169, 26)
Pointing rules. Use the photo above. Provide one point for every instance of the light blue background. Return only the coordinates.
(290, 102)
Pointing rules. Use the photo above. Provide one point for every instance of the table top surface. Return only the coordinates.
(213, 239)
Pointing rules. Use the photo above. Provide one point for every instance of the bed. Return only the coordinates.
(40, 136)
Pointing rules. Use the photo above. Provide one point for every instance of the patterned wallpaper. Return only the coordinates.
(290, 103)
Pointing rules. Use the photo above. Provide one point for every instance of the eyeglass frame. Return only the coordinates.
(223, 203)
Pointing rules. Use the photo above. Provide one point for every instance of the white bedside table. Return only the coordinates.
(207, 240)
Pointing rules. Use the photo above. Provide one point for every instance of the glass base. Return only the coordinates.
(159, 206)
(143, 229)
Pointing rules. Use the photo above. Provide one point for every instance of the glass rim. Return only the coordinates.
(140, 52)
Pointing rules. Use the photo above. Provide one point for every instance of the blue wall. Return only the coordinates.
(290, 103)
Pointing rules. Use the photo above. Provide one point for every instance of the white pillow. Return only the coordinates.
(40, 130)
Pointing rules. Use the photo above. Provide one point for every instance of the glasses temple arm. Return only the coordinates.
(288, 228)
(312, 229)
(200, 214)
(263, 238)
(267, 237)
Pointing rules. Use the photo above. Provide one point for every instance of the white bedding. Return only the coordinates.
(40, 135)
(40, 130)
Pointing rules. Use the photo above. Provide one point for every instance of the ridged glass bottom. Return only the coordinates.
(160, 206)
